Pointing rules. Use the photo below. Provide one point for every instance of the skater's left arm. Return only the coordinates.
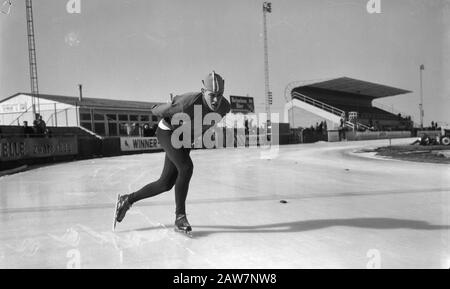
(225, 107)
(223, 110)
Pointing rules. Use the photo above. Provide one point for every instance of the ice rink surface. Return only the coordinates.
(345, 209)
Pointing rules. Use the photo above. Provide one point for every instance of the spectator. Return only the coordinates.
(253, 128)
(145, 130)
(128, 128)
(246, 126)
(36, 122)
(48, 133)
(27, 131)
(149, 131)
(39, 125)
(135, 129)
(43, 124)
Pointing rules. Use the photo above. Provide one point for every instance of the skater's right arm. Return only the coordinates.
(168, 109)
(178, 104)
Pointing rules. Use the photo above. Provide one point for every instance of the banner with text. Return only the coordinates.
(242, 104)
(12, 149)
(139, 144)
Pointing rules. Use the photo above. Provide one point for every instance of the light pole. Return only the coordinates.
(32, 58)
(267, 8)
(422, 68)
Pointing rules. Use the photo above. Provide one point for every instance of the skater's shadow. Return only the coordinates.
(308, 225)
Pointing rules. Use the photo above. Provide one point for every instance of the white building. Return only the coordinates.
(105, 117)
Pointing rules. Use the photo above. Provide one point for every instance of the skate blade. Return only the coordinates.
(184, 232)
(115, 214)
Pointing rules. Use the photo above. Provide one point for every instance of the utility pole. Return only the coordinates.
(32, 57)
(267, 8)
(422, 68)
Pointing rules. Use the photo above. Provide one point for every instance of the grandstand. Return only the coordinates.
(345, 102)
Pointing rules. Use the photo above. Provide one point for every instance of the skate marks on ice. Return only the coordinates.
(26, 248)
(71, 238)
(80, 239)
(22, 249)
(124, 240)
(77, 243)
(120, 239)
(179, 239)
(170, 233)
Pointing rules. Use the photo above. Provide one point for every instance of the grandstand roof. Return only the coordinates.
(355, 86)
(93, 102)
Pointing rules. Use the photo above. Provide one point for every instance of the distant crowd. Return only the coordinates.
(317, 132)
(146, 130)
(39, 128)
(434, 126)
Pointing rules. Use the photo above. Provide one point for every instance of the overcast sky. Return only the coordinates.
(146, 49)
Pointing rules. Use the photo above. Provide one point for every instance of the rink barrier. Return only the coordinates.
(21, 148)
(373, 135)
(54, 148)
(18, 151)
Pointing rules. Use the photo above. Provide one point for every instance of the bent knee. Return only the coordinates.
(186, 169)
(166, 184)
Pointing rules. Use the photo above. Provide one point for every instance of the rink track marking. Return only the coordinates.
(231, 200)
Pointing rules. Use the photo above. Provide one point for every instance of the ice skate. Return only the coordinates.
(182, 225)
(122, 206)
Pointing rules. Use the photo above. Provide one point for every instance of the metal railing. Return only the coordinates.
(64, 116)
(350, 125)
(361, 125)
(319, 104)
(90, 132)
(328, 108)
(17, 119)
